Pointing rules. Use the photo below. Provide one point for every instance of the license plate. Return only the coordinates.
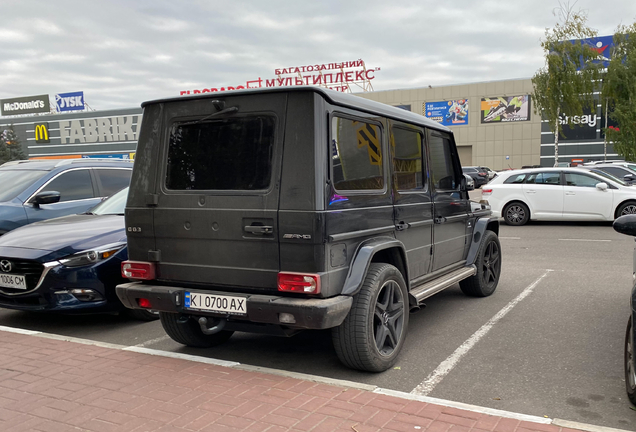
(13, 281)
(216, 303)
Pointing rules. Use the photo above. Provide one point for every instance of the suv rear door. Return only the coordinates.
(216, 219)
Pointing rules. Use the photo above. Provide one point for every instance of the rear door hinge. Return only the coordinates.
(152, 199)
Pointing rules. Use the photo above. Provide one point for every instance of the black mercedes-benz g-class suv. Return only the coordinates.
(283, 209)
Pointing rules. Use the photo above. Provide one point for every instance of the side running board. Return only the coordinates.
(422, 292)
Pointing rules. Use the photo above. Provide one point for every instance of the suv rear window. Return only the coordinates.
(224, 154)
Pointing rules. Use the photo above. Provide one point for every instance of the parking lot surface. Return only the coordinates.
(549, 342)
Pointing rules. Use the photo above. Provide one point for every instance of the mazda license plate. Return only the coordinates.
(13, 281)
(216, 303)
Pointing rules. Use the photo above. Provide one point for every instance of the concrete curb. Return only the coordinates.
(322, 380)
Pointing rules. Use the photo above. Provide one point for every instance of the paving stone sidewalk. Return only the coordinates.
(54, 385)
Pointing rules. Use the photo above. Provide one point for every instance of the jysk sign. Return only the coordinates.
(69, 101)
(42, 133)
(25, 105)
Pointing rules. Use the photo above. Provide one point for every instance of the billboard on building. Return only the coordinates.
(580, 127)
(25, 105)
(448, 113)
(505, 109)
(73, 101)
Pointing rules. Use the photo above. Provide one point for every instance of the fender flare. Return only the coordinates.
(363, 258)
(481, 225)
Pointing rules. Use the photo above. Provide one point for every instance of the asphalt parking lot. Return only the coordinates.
(549, 342)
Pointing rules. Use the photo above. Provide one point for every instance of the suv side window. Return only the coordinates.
(72, 185)
(442, 169)
(580, 180)
(552, 178)
(113, 180)
(407, 159)
(356, 161)
(224, 154)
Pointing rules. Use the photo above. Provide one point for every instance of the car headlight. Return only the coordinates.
(92, 256)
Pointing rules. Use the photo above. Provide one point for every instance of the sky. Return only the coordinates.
(121, 53)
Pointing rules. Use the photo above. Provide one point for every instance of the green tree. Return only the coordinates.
(565, 85)
(10, 146)
(619, 90)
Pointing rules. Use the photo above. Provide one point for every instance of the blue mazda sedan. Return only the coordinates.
(35, 190)
(69, 264)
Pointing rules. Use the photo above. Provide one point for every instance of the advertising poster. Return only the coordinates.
(448, 113)
(505, 109)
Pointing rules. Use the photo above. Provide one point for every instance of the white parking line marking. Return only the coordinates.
(153, 341)
(585, 240)
(509, 238)
(445, 367)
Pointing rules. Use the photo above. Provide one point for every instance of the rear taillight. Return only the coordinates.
(486, 191)
(138, 270)
(299, 282)
(482, 174)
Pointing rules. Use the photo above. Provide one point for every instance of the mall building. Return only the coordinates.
(494, 123)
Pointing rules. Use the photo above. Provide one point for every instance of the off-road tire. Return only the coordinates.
(143, 314)
(516, 214)
(488, 262)
(373, 333)
(630, 363)
(187, 331)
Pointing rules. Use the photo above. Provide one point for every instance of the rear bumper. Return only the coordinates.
(266, 309)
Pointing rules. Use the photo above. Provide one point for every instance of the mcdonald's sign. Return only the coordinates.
(42, 133)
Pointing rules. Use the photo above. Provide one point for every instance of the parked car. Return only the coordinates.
(470, 183)
(69, 264)
(627, 225)
(35, 190)
(616, 170)
(491, 173)
(558, 194)
(479, 177)
(245, 218)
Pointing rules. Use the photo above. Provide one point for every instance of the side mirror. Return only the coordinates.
(601, 186)
(626, 225)
(629, 177)
(49, 197)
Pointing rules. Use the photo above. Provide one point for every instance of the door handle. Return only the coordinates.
(259, 229)
(440, 219)
(531, 191)
(401, 226)
(570, 193)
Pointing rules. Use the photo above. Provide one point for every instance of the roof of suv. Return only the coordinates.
(51, 164)
(336, 97)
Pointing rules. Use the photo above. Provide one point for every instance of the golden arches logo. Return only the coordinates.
(42, 133)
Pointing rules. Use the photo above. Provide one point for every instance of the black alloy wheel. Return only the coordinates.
(388, 319)
(488, 263)
(373, 333)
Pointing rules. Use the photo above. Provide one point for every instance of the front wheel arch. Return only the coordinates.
(622, 206)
